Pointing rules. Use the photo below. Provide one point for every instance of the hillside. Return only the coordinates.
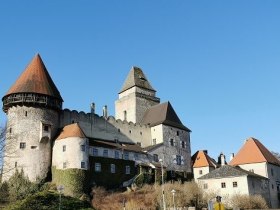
(49, 200)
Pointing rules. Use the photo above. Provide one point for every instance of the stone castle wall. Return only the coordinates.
(24, 125)
(109, 129)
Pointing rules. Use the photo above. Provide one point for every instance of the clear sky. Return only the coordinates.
(217, 62)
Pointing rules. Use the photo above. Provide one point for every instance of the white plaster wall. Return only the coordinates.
(264, 169)
(73, 156)
(35, 159)
(126, 103)
(214, 185)
(157, 133)
(205, 170)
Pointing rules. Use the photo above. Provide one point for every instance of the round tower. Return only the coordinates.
(32, 106)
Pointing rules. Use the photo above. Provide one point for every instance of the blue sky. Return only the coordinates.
(217, 62)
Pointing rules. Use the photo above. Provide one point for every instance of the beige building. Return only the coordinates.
(255, 157)
(42, 135)
(227, 181)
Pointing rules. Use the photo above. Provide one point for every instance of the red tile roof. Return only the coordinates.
(35, 79)
(253, 151)
(72, 130)
(201, 159)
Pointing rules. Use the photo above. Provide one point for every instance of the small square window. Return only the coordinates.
(234, 184)
(223, 185)
(83, 164)
(205, 186)
(113, 168)
(22, 145)
(64, 165)
(127, 169)
(63, 148)
(97, 167)
(46, 128)
(154, 141)
(200, 172)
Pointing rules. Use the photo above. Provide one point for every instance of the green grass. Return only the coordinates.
(50, 201)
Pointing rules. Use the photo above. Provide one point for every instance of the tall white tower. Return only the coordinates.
(32, 106)
(136, 96)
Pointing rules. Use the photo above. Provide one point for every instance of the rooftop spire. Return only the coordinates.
(34, 86)
(35, 79)
(136, 77)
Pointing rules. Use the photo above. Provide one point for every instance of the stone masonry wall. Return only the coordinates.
(24, 125)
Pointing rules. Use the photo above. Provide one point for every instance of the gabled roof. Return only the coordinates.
(137, 78)
(163, 114)
(229, 171)
(201, 159)
(152, 147)
(35, 79)
(72, 130)
(253, 151)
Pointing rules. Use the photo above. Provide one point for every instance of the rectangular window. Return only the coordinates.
(113, 168)
(178, 133)
(205, 186)
(83, 148)
(171, 142)
(154, 141)
(97, 167)
(22, 145)
(95, 152)
(83, 165)
(272, 174)
(117, 154)
(183, 144)
(63, 148)
(178, 159)
(64, 165)
(126, 156)
(46, 128)
(234, 184)
(127, 169)
(223, 185)
(105, 153)
(200, 172)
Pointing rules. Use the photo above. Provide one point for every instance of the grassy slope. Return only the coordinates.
(50, 201)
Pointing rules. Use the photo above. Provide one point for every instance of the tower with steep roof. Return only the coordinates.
(32, 106)
(136, 96)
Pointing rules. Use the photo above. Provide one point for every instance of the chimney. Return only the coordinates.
(231, 156)
(223, 159)
(205, 151)
(92, 108)
(105, 111)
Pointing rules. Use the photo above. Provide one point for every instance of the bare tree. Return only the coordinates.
(2, 147)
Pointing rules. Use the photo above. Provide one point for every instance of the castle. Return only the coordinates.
(42, 136)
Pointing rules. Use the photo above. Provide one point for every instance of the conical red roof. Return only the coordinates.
(35, 79)
(253, 151)
(72, 130)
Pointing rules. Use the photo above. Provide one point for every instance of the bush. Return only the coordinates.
(4, 192)
(248, 202)
(49, 201)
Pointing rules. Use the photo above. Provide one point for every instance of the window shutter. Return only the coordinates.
(182, 160)
(174, 159)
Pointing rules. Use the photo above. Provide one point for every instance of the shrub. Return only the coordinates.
(248, 202)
